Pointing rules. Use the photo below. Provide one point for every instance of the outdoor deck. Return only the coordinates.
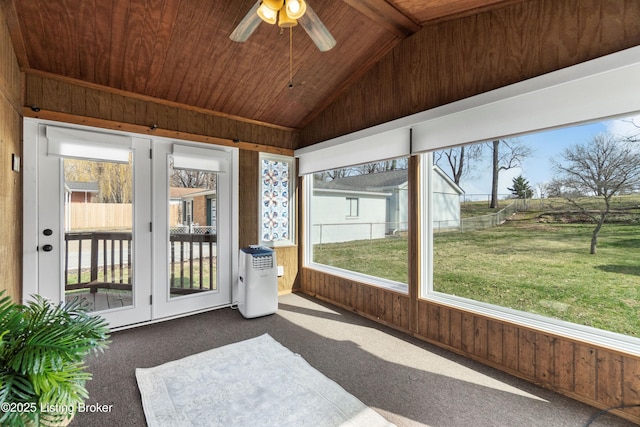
(98, 265)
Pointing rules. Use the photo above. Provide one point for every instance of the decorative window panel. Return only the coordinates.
(276, 204)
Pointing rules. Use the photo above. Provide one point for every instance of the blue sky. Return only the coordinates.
(545, 146)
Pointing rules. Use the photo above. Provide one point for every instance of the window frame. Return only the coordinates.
(380, 282)
(291, 241)
(509, 104)
(350, 203)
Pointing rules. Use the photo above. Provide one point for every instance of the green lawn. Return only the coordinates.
(526, 264)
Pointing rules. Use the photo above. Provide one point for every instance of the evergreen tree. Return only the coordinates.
(521, 188)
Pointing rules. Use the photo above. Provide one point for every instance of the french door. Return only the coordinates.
(105, 222)
(192, 238)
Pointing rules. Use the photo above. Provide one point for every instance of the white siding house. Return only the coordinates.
(372, 206)
(445, 209)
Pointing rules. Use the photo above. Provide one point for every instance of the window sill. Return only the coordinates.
(365, 279)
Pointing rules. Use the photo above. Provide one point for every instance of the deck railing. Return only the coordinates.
(103, 260)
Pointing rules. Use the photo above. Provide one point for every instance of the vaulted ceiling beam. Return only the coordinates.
(386, 15)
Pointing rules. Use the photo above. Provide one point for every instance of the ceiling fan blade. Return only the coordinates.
(316, 30)
(248, 25)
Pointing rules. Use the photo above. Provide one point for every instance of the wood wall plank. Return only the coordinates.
(631, 384)
(10, 181)
(609, 378)
(585, 371)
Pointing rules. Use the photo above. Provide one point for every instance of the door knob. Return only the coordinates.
(47, 232)
(47, 248)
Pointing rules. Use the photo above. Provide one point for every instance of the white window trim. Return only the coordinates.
(291, 241)
(340, 272)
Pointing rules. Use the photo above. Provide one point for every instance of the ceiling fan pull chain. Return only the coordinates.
(290, 57)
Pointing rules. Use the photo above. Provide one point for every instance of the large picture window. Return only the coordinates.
(370, 238)
(549, 224)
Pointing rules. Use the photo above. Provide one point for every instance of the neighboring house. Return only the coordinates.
(445, 202)
(372, 206)
(192, 206)
(80, 192)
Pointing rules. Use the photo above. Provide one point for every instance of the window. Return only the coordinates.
(352, 207)
(559, 236)
(277, 202)
(369, 242)
(525, 254)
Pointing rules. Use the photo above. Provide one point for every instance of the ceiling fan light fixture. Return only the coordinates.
(295, 8)
(268, 10)
(284, 20)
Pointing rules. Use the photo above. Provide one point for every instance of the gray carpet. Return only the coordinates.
(409, 382)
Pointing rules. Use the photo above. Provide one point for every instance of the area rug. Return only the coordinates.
(257, 382)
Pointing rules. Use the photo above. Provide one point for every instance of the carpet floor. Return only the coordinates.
(407, 381)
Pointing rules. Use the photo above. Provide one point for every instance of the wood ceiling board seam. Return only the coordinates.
(386, 15)
(438, 18)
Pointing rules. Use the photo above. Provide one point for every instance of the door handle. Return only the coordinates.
(47, 248)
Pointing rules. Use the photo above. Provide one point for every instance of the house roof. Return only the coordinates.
(81, 187)
(379, 181)
(181, 192)
(180, 51)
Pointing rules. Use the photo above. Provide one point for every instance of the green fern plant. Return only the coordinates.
(42, 351)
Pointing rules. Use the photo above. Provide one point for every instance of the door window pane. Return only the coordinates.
(193, 204)
(98, 197)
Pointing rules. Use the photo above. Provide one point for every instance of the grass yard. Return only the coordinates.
(525, 264)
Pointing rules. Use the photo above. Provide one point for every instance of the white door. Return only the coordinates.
(92, 216)
(192, 227)
(105, 222)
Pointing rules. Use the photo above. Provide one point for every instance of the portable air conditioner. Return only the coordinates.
(257, 282)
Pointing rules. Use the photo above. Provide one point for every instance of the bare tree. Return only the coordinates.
(604, 167)
(458, 160)
(505, 154)
(192, 178)
(330, 175)
(114, 179)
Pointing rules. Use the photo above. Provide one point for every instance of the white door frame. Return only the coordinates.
(31, 229)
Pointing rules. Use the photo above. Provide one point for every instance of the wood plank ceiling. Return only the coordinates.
(180, 51)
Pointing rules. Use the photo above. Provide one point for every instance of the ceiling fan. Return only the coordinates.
(287, 13)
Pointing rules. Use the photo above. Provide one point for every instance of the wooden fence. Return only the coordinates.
(102, 216)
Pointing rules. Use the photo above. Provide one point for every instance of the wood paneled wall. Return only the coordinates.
(597, 376)
(464, 57)
(74, 97)
(10, 181)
